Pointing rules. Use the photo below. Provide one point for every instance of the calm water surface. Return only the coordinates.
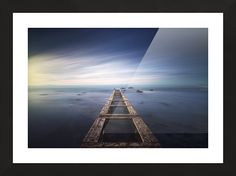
(61, 117)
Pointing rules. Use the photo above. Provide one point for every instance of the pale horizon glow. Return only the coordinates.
(53, 70)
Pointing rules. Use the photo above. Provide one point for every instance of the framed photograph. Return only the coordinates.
(94, 82)
(129, 87)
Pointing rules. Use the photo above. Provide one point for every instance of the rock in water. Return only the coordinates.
(139, 91)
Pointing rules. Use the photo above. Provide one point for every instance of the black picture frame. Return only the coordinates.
(8, 7)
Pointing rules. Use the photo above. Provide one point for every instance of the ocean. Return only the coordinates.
(60, 117)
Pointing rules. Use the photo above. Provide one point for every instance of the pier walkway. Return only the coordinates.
(119, 125)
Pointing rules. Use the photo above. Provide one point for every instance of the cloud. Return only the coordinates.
(174, 57)
(80, 70)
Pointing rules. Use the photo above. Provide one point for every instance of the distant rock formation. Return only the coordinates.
(130, 87)
(165, 104)
(43, 94)
(139, 91)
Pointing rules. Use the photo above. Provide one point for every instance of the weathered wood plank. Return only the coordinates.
(143, 130)
(120, 145)
(119, 117)
(107, 115)
(118, 106)
(95, 132)
(129, 106)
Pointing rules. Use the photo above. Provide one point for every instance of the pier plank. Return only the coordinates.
(95, 133)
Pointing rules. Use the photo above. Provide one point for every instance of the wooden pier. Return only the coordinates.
(118, 110)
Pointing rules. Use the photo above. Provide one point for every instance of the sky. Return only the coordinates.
(118, 56)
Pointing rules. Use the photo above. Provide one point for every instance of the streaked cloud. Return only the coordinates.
(56, 70)
(118, 56)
